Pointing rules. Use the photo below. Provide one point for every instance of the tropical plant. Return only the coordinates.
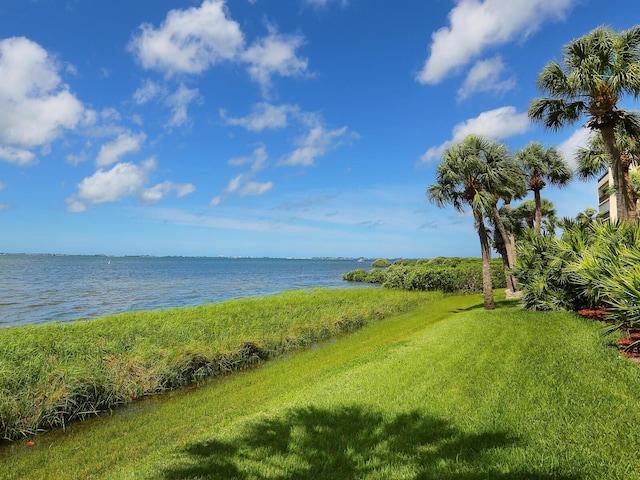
(593, 160)
(524, 215)
(596, 71)
(542, 165)
(475, 173)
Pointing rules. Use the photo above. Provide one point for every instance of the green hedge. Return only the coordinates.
(444, 274)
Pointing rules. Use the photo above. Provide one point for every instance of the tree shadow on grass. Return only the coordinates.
(506, 303)
(348, 443)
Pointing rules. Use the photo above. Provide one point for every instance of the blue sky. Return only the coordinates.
(266, 127)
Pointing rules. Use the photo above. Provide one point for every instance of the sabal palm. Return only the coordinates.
(597, 70)
(542, 165)
(475, 173)
(525, 214)
(594, 159)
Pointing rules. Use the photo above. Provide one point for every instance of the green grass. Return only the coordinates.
(448, 391)
(51, 374)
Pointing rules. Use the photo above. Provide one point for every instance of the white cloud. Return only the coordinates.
(569, 148)
(253, 189)
(112, 185)
(17, 156)
(275, 54)
(264, 116)
(189, 41)
(500, 123)
(485, 77)
(193, 40)
(316, 143)
(475, 25)
(179, 102)
(35, 106)
(324, 3)
(149, 91)
(160, 191)
(125, 143)
(243, 184)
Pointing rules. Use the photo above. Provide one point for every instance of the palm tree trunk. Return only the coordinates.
(511, 259)
(538, 220)
(625, 206)
(485, 248)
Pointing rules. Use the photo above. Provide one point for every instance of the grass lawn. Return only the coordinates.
(448, 391)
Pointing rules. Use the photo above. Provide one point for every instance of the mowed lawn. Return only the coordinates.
(447, 392)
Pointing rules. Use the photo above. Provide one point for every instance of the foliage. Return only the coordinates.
(54, 373)
(475, 173)
(444, 274)
(381, 263)
(592, 264)
(597, 70)
(432, 394)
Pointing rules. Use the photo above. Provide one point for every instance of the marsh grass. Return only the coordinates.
(449, 391)
(56, 373)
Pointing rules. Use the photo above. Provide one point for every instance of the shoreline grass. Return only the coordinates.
(56, 373)
(446, 391)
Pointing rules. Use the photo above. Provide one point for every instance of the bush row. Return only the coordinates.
(442, 274)
(591, 265)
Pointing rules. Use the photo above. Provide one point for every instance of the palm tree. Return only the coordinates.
(475, 173)
(542, 165)
(594, 160)
(525, 214)
(598, 69)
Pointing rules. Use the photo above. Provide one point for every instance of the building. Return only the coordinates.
(606, 202)
(607, 206)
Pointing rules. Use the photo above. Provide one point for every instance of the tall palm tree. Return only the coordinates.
(542, 165)
(594, 160)
(597, 70)
(525, 214)
(474, 173)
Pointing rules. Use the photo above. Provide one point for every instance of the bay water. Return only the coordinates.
(45, 288)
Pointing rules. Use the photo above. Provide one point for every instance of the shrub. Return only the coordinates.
(375, 276)
(359, 275)
(593, 264)
(381, 263)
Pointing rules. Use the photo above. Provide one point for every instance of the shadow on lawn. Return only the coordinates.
(350, 443)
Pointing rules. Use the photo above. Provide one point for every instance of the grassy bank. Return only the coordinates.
(52, 374)
(448, 391)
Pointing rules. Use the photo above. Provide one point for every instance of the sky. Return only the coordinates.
(280, 128)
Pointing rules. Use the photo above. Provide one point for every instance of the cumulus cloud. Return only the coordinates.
(475, 25)
(179, 102)
(244, 184)
(17, 155)
(112, 185)
(193, 40)
(316, 143)
(275, 54)
(500, 123)
(149, 91)
(569, 148)
(113, 151)
(265, 116)
(485, 76)
(189, 41)
(162, 190)
(35, 106)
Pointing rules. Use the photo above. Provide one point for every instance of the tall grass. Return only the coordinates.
(55, 373)
(449, 391)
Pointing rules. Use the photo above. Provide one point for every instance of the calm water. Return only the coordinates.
(40, 288)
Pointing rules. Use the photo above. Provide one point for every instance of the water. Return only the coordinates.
(42, 288)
